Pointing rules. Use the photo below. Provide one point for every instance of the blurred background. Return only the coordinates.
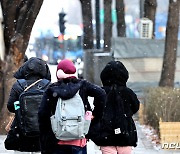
(48, 43)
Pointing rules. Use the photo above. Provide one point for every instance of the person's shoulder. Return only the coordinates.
(84, 81)
(45, 81)
(87, 83)
(93, 87)
(17, 86)
(54, 84)
(129, 91)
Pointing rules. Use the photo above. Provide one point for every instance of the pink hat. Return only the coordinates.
(65, 69)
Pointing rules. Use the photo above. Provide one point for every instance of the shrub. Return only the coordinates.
(161, 103)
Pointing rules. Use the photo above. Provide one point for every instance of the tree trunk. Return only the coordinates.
(150, 12)
(1, 85)
(19, 17)
(121, 25)
(107, 25)
(87, 23)
(169, 60)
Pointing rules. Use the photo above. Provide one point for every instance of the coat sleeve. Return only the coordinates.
(99, 96)
(14, 96)
(134, 102)
(47, 138)
(44, 113)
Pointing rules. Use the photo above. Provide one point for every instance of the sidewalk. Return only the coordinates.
(144, 146)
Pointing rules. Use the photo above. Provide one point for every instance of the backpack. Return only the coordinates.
(26, 109)
(69, 121)
(114, 127)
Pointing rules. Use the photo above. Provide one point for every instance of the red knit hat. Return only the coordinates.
(65, 69)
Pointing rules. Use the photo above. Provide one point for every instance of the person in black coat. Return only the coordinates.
(114, 77)
(32, 70)
(65, 88)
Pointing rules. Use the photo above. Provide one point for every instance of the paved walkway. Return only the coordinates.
(144, 146)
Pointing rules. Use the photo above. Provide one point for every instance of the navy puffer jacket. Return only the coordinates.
(65, 89)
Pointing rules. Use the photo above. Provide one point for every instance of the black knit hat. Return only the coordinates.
(114, 73)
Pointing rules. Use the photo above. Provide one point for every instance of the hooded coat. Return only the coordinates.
(32, 70)
(116, 75)
(65, 89)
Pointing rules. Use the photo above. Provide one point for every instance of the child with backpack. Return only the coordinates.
(65, 113)
(115, 130)
(33, 77)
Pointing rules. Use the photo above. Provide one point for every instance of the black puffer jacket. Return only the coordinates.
(65, 89)
(31, 71)
(116, 75)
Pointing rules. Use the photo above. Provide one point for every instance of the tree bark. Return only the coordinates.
(150, 12)
(121, 25)
(87, 23)
(1, 85)
(19, 17)
(170, 54)
(107, 25)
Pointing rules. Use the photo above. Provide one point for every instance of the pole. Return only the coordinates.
(141, 5)
(63, 49)
(97, 24)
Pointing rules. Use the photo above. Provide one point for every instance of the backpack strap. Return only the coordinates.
(43, 83)
(31, 85)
